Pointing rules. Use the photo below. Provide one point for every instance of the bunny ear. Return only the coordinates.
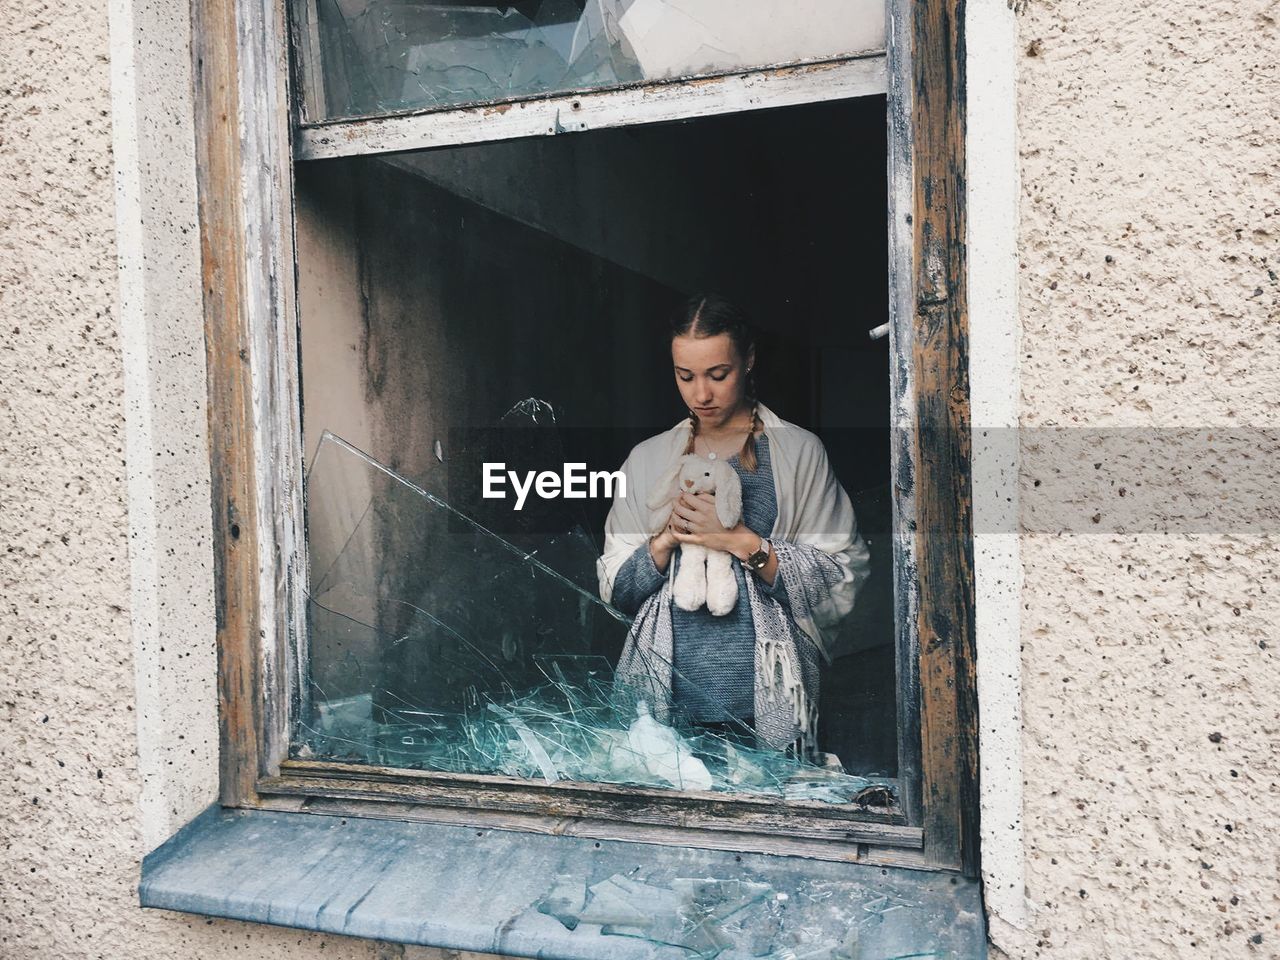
(664, 489)
(728, 494)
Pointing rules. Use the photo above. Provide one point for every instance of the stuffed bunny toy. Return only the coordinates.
(705, 576)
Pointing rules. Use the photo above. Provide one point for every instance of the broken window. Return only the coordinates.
(504, 304)
(439, 644)
(373, 57)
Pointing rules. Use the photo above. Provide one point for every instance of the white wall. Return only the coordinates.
(992, 177)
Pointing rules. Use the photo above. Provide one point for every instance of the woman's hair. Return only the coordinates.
(710, 315)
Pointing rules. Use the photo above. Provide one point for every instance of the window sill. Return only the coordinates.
(519, 894)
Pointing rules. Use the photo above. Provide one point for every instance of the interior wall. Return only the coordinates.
(462, 314)
(724, 203)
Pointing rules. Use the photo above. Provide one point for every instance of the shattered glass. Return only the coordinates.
(438, 643)
(688, 913)
(710, 917)
(380, 56)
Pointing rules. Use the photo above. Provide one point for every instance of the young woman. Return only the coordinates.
(799, 560)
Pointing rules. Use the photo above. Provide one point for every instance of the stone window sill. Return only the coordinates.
(531, 895)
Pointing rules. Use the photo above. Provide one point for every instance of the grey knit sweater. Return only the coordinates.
(713, 674)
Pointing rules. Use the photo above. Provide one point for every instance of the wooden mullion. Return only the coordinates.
(231, 425)
(669, 810)
(618, 797)
(904, 451)
(596, 109)
(242, 124)
(776, 844)
(308, 68)
(948, 706)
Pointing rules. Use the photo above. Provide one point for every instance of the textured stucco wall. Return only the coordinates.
(73, 830)
(1147, 134)
(1150, 221)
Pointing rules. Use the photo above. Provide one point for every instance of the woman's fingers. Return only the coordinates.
(700, 504)
(687, 525)
(702, 508)
(694, 515)
(688, 509)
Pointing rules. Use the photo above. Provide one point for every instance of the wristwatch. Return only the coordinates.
(758, 559)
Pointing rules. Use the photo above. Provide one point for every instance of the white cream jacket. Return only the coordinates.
(822, 559)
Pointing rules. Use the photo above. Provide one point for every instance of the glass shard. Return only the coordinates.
(708, 917)
(687, 913)
(437, 643)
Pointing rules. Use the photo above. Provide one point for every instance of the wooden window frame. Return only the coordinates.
(245, 145)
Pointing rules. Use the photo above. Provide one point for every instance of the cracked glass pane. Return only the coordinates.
(381, 56)
(438, 643)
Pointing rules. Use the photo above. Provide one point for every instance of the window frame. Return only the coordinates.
(595, 109)
(246, 143)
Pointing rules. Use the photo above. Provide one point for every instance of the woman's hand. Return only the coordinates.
(663, 545)
(694, 520)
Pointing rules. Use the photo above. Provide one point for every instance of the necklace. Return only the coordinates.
(711, 454)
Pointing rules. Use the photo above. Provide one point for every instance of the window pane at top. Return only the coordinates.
(382, 56)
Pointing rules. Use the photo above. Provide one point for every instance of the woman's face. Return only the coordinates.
(711, 377)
